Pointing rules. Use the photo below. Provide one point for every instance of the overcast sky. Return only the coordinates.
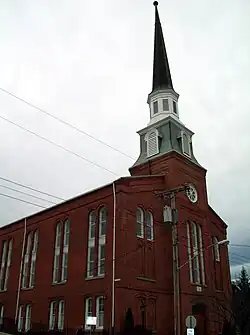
(90, 63)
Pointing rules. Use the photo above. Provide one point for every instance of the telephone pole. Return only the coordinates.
(170, 195)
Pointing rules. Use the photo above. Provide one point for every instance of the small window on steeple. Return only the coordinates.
(174, 107)
(165, 105)
(186, 148)
(155, 107)
(152, 139)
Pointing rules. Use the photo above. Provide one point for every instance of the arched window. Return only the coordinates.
(92, 221)
(57, 252)
(64, 275)
(152, 142)
(33, 259)
(139, 222)
(102, 221)
(88, 311)
(26, 261)
(150, 225)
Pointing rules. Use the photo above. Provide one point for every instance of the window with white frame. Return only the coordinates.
(26, 261)
(64, 275)
(216, 249)
(175, 107)
(102, 222)
(28, 318)
(57, 252)
(3, 264)
(155, 107)
(33, 259)
(92, 224)
(100, 312)
(101, 258)
(52, 315)
(61, 315)
(7, 272)
(1, 315)
(150, 225)
(20, 318)
(186, 148)
(91, 262)
(152, 141)
(165, 105)
(139, 222)
(195, 253)
(88, 310)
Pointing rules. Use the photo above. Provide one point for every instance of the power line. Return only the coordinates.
(28, 194)
(31, 188)
(65, 122)
(58, 146)
(18, 199)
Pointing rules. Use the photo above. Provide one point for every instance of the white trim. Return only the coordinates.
(92, 224)
(196, 260)
(27, 326)
(61, 307)
(88, 310)
(1, 314)
(57, 251)
(139, 222)
(66, 237)
(99, 314)
(150, 225)
(90, 261)
(20, 318)
(189, 253)
(33, 260)
(184, 134)
(26, 261)
(102, 221)
(7, 272)
(201, 254)
(101, 246)
(52, 315)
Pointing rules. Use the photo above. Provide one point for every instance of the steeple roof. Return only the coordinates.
(161, 72)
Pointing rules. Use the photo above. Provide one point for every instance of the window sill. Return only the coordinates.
(27, 288)
(59, 283)
(96, 277)
(146, 279)
(2, 291)
(140, 237)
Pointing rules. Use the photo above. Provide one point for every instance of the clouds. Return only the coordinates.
(90, 63)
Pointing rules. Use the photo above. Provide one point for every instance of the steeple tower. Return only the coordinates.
(163, 100)
(165, 133)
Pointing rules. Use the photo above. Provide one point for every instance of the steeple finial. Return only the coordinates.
(161, 71)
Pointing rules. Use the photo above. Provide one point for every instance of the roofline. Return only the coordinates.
(75, 198)
(217, 215)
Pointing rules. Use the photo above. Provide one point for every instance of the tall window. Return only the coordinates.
(60, 267)
(65, 251)
(186, 149)
(20, 318)
(155, 107)
(56, 315)
(52, 315)
(139, 222)
(88, 310)
(61, 315)
(150, 226)
(100, 312)
(5, 264)
(33, 260)
(92, 224)
(1, 315)
(195, 253)
(26, 261)
(91, 245)
(216, 249)
(28, 318)
(102, 240)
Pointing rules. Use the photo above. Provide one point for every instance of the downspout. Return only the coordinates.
(21, 269)
(113, 263)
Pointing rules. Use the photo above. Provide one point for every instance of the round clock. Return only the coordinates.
(192, 193)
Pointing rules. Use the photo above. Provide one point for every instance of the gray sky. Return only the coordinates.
(90, 63)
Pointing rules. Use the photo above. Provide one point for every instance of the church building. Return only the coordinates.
(147, 245)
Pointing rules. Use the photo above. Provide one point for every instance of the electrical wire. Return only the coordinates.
(28, 194)
(31, 188)
(27, 202)
(57, 145)
(64, 122)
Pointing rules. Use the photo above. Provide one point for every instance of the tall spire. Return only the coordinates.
(161, 72)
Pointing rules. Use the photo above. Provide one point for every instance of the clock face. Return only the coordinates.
(192, 193)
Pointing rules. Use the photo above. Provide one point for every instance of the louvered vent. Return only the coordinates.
(152, 143)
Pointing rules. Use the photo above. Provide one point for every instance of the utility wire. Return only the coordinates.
(64, 122)
(58, 146)
(28, 194)
(31, 188)
(18, 199)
